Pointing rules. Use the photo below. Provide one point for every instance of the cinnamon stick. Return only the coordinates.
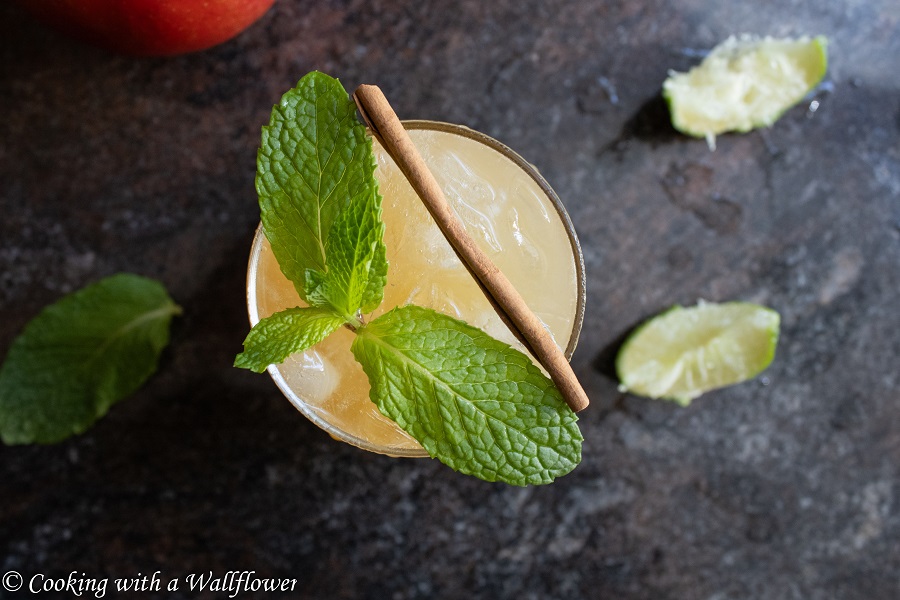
(387, 128)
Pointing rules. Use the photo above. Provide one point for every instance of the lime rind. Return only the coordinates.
(746, 82)
(685, 352)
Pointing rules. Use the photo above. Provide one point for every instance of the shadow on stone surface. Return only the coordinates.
(605, 361)
(651, 123)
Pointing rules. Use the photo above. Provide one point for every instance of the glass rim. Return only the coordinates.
(307, 410)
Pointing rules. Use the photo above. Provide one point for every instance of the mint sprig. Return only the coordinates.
(473, 402)
(81, 355)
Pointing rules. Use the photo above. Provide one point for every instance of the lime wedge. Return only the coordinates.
(685, 352)
(744, 83)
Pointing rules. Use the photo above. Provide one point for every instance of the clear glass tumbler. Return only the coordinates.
(510, 210)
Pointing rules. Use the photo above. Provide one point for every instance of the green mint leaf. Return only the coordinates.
(315, 288)
(81, 355)
(473, 402)
(357, 269)
(378, 269)
(314, 162)
(278, 336)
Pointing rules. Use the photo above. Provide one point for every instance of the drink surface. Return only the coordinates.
(509, 216)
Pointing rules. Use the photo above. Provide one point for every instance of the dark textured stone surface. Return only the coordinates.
(787, 487)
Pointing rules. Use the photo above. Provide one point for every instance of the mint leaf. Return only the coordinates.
(278, 336)
(377, 279)
(315, 160)
(355, 253)
(81, 355)
(473, 402)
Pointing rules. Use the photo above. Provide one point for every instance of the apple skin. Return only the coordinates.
(149, 27)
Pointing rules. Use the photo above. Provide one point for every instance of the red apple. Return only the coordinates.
(149, 27)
